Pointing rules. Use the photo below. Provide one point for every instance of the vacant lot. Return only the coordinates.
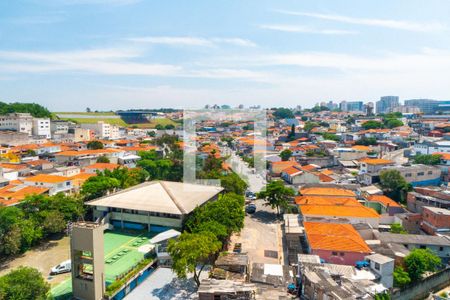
(43, 258)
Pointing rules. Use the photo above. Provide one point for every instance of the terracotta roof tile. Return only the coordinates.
(335, 237)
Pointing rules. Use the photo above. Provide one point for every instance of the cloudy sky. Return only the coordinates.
(118, 54)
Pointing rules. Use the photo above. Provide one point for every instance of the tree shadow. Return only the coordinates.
(264, 216)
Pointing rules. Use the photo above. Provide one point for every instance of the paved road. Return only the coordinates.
(261, 235)
(255, 181)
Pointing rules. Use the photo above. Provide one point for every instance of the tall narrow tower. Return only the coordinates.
(88, 264)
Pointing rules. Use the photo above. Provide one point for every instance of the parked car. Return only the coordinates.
(250, 209)
(64, 267)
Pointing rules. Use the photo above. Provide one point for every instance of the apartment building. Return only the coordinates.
(421, 175)
(19, 122)
(42, 127)
(386, 104)
(103, 130)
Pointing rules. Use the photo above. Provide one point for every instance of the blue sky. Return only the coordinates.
(118, 54)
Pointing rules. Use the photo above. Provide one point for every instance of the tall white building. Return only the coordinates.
(20, 122)
(103, 130)
(42, 127)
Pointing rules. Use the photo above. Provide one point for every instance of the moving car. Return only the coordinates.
(64, 267)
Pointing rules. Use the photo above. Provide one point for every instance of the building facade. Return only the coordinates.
(386, 104)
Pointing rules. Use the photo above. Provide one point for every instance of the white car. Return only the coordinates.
(64, 267)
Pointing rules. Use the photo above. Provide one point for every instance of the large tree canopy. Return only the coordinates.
(276, 195)
(191, 252)
(24, 283)
(420, 261)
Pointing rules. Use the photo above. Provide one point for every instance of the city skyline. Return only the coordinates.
(73, 54)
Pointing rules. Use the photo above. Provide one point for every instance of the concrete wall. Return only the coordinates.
(421, 289)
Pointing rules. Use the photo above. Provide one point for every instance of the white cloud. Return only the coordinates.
(386, 23)
(235, 41)
(102, 61)
(306, 29)
(192, 41)
(111, 61)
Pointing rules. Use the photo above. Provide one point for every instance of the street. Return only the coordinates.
(261, 236)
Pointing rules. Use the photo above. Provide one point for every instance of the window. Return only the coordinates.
(408, 175)
(341, 253)
(430, 172)
(441, 248)
(423, 247)
(420, 174)
(334, 253)
(377, 266)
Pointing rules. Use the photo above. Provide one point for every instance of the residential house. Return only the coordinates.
(370, 169)
(383, 266)
(336, 243)
(54, 183)
(384, 205)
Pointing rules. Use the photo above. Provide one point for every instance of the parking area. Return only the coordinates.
(43, 258)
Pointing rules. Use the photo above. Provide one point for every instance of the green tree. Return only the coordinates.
(24, 283)
(285, 154)
(394, 185)
(170, 126)
(283, 113)
(53, 221)
(227, 211)
(159, 127)
(366, 141)
(401, 277)
(372, 124)
(191, 252)
(232, 183)
(383, 296)
(34, 109)
(318, 108)
(420, 261)
(276, 195)
(427, 159)
(397, 228)
(291, 135)
(98, 186)
(310, 125)
(95, 145)
(392, 123)
(219, 230)
(103, 159)
(331, 136)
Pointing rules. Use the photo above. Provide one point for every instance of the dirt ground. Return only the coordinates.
(261, 236)
(43, 258)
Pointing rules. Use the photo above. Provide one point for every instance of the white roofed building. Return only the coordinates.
(156, 206)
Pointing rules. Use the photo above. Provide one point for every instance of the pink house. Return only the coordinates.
(336, 243)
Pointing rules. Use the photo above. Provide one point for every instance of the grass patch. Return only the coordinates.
(106, 113)
(112, 121)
